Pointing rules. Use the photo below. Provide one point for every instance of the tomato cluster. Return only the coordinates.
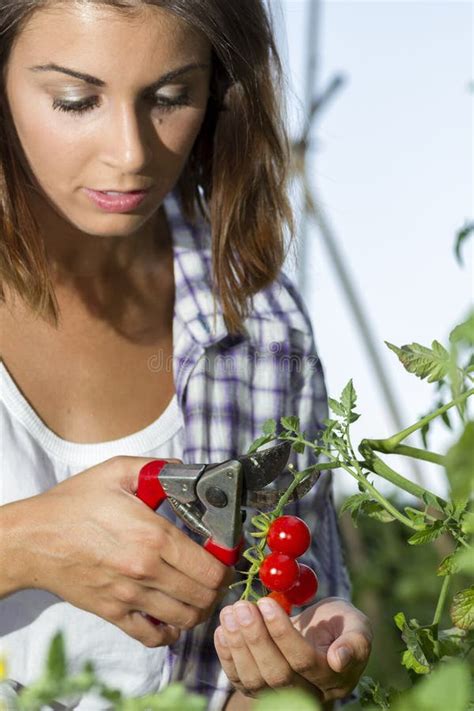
(291, 583)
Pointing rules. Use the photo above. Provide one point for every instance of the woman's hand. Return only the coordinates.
(92, 542)
(323, 650)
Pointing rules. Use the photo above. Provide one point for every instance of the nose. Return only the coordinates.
(128, 139)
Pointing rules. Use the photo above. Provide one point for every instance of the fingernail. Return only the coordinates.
(229, 622)
(243, 614)
(344, 655)
(221, 637)
(268, 608)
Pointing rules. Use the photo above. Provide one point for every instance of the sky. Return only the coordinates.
(391, 164)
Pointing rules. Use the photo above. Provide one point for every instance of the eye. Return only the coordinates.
(163, 103)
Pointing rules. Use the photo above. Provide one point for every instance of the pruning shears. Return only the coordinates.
(211, 498)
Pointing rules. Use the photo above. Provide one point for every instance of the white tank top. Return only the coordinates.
(34, 459)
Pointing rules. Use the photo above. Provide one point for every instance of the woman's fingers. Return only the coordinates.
(252, 660)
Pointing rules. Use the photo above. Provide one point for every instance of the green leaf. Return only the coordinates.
(377, 511)
(447, 688)
(336, 407)
(291, 423)
(284, 700)
(400, 621)
(448, 565)
(259, 442)
(424, 432)
(409, 661)
(459, 463)
(467, 525)
(428, 534)
(432, 363)
(462, 609)
(269, 427)
(461, 236)
(464, 331)
(372, 692)
(299, 447)
(349, 397)
(56, 665)
(353, 503)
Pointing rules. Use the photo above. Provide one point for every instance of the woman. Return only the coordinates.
(143, 173)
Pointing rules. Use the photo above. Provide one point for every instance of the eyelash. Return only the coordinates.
(80, 107)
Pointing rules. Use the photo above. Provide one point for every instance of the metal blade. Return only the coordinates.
(267, 500)
(260, 468)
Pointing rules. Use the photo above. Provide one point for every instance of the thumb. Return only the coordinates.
(340, 657)
(348, 650)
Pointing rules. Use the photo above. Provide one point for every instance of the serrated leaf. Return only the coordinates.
(459, 463)
(377, 511)
(400, 621)
(299, 447)
(409, 661)
(447, 566)
(462, 609)
(353, 503)
(349, 397)
(290, 423)
(56, 665)
(426, 535)
(269, 426)
(336, 407)
(431, 363)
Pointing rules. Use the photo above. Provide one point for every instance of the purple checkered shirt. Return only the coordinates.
(226, 388)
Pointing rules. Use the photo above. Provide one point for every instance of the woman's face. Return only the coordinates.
(121, 128)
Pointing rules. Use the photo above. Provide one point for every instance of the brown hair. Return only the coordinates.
(236, 174)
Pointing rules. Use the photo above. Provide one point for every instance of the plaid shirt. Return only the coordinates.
(226, 388)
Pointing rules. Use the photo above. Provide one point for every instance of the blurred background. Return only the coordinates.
(389, 165)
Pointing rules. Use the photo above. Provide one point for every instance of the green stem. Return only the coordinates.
(380, 445)
(378, 466)
(441, 600)
(393, 441)
(379, 497)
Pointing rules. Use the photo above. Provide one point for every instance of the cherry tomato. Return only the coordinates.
(305, 587)
(282, 600)
(290, 535)
(278, 571)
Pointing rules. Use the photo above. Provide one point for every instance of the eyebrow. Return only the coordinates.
(165, 79)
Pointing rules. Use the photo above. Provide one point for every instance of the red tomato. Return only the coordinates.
(281, 599)
(278, 571)
(290, 535)
(305, 587)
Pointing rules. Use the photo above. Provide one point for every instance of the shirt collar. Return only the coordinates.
(194, 302)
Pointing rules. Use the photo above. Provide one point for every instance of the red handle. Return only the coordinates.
(149, 487)
(228, 556)
(152, 494)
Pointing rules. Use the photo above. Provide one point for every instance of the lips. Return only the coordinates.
(116, 202)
